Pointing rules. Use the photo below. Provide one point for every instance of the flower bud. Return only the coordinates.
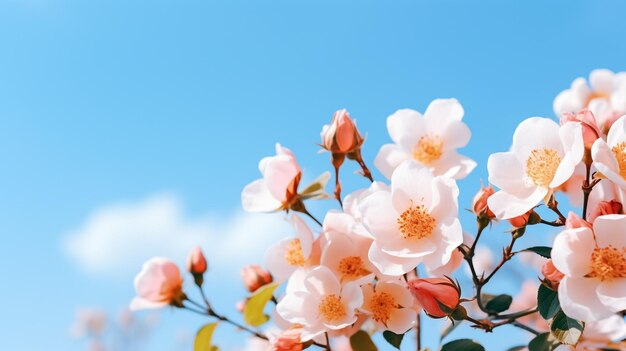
(341, 136)
(479, 203)
(552, 275)
(606, 208)
(196, 263)
(439, 297)
(288, 340)
(573, 221)
(254, 277)
(157, 285)
(520, 221)
(591, 131)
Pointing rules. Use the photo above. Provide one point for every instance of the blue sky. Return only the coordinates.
(114, 103)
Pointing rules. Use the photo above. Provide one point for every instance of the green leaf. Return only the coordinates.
(517, 348)
(393, 339)
(316, 190)
(543, 251)
(203, 338)
(361, 341)
(547, 302)
(462, 345)
(542, 342)
(253, 311)
(499, 303)
(567, 330)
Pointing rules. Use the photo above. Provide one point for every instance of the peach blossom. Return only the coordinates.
(288, 340)
(543, 157)
(431, 140)
(347, 256)
(254, 277)
(416, 222)
(279, 185)
(389, 303)
(593, 261)
(196, 263)
(437, 296)
(605, 208)
(285, 257)
(157, 285)
(520, 221)
(321, 304)
(341, 135)
(609, 157)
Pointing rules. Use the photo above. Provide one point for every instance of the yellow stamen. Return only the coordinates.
(331, 308)
(608, 263)
(416, 222)
(382, 305)
(294, 254)
(541, 166)
(619, 151)
(351, 268)
(428, 149)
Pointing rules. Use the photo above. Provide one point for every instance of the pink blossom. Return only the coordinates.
(288, 340)
(157, 285)
(605, 208)
(590, 130)
(254, 277)
(551, 274)
(196, 263)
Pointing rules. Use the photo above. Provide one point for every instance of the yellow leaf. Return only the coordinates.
(253, 311)
(203, 338)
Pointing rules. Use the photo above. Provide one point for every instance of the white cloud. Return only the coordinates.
(116, 239)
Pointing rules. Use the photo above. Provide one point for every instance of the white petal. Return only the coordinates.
(601, 80)
(276, 263)
(401, 320)
(279, 173)
(411, 186)
(321, 281)
(505, 205)
(453, 165)
(303, 233)
(405, 127)
(379, 216)
(506, 171)
(571, 251)
(456, 135)
(579, 299)
(389, 158)
(391, 265)
(613, 294)
(536, 133)
(441, 112)
(296, 308)
(445, 199)
(572, 138)
(610, 230)
(138, 303)
(256, 197)
(617, 133)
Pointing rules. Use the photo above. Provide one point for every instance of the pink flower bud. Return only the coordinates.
(552, 275)
(289, 340)
(605, 208)
(157, 285)
(479, 203)
(520, 221)
(341, 136)
(573, 221)
(254, 277)
(591, 132)
(439, 297)
(196, 263)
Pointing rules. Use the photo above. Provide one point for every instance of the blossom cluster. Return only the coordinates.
(385, 255)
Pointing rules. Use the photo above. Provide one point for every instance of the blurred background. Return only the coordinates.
(129, 128)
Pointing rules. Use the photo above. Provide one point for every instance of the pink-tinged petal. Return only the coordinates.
(536, 133)
(279, 173)
(338, 247)
(402, 247)
(609, 230)
(572, 251)
(604, 159)
(321, 281)
(455, 261)
(137, 304)
(276, 263)
(579, 299)
(601, 80)
(618, 100)
(391, 265)
(281, 150)
(256, 197)
(296, 280)
(456, 135)
(389, 158)
(405, 127)
(445, 198)
(338, 221)
(617, 133)
(453, 165)
(303, 233)
(613, 294)
(401, 320)
(505, 205)
(440, 113)
(506, 171)
(572, 137)
(297, 307)
(411, 186)
(398, 290)
(352, 296)
(451, 237)
(567, 101)
(379, 216)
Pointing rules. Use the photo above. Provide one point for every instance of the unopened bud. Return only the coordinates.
(254, 277)
(439, 297)
(551, 274)
(341, 135)
(479, 203)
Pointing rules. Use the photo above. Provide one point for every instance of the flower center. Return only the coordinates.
(428, 149)
(608, 263)
(541, 166)
(619, 151)
(294, 254)
(382, 305)
(416, 222)
(351, 268)
(331, 308)
(596, 95)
